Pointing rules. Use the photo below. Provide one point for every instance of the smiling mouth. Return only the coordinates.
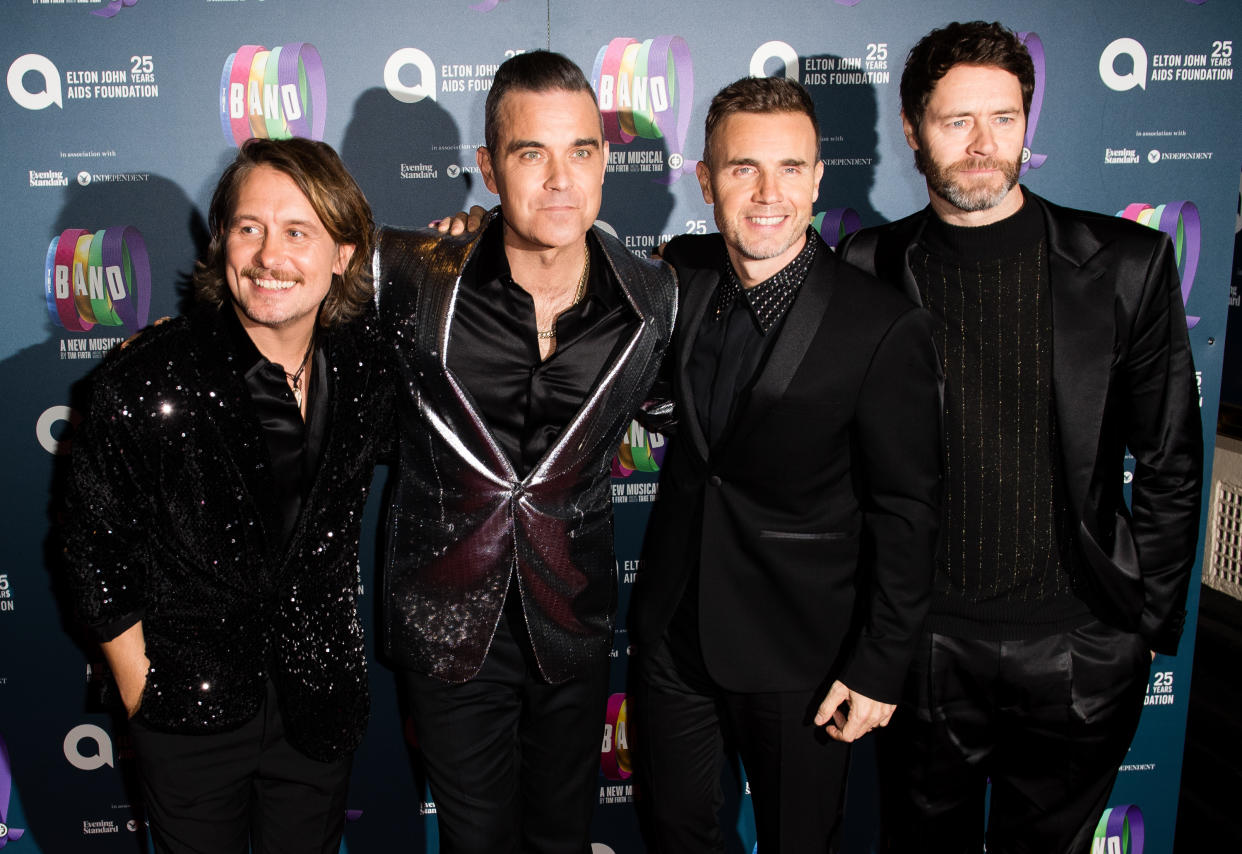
(264, 279)
(767, 220)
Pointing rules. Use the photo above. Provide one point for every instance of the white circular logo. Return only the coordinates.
(103, 747)
(1026, 154)
(1138, 59)
(453, 170)
(45, 97)
(131, 825)
(1153, 156)
(4, 830)
(84, 178)
(675, 161)
(426, 86)
(43, 429)
(774, 50)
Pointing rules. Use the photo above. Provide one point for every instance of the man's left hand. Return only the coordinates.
(847, 715)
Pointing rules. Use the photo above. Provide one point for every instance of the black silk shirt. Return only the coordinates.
(494, 352)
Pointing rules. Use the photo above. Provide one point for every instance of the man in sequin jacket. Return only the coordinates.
(211, 535)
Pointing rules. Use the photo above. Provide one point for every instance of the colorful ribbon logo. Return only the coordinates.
(101, 277)
(639, 451)
(112, 8)
(1180, 221)
(1036, 48)
(7, 834)
(273, 94)
(835, 223)
(646, 89)
(615, 755)
(1120, 831)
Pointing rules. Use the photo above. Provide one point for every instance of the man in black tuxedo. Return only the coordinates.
(788, 558)
(1064, 343)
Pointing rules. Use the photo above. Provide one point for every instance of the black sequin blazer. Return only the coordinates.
(461, 522)
(164, 525)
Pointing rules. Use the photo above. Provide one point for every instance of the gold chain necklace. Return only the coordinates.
(550, 332)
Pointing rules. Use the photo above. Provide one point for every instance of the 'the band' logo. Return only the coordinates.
(646, 89)
(1180, 221)
(615, 751)
(1035, 48)
(40, 98)
(273, 94)
(1137, 76)
(7, 833)
(835, 223)
(1120, 831)
(406, 93)
(98, 277)
(639, 451)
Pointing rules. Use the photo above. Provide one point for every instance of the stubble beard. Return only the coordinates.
(942, 180)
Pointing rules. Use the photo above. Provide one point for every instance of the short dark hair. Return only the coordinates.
(336, 199)
(970, 43)
(536, 71)
(758, 95)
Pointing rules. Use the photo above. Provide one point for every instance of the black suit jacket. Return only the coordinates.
(165, 523)
(814, 524)
(1122, 377)
(462, 524)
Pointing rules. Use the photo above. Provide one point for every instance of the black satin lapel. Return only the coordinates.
(1082, 353)
(697, 293)
(802, 323)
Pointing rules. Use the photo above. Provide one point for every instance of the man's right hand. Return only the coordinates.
(460, 222)
(127, 657)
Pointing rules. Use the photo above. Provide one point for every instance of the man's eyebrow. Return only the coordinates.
(750, 161)
(581, 142)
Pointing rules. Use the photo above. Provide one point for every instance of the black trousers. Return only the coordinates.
(684, 723)
(512, 761)
(1048, 720)
(239, 791)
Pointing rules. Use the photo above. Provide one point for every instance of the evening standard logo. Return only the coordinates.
(646, 91)
(869, 68)
(6, 593)
(97, 278)
(273, 94)
(1125, 64)
(47, 178)
(418, 170)
(103, 825)
(1119, 831)
(1121, 155)
(614, 759)
(1180, 221)
(8, 833)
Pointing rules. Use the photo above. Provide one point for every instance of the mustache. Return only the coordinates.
(263, 273)
(971, 163)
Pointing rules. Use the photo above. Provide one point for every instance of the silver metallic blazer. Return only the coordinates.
(462, 523)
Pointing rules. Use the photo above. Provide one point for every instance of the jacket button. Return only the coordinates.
(715, 480)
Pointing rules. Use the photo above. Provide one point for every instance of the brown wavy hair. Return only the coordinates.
(970, 43)
(336, 199)
(757, 95)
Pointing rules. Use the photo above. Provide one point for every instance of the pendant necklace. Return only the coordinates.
(295, 379)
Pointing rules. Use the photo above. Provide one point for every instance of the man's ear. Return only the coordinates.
(483, 157)
(704, 174)
(344, 252)
(912, 137)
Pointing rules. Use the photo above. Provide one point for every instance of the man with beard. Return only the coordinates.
(1064, 343)
(787, 565)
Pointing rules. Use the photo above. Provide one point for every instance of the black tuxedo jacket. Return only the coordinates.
(462, 524)
(814, 523)
(1122, 378)
(165, 523)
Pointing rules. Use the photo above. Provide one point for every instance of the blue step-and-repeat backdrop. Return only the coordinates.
(119, 115)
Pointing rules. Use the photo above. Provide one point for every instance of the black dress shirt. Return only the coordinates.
(494, 352)
(294, 446)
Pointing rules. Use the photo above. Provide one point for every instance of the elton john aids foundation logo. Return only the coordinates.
(640, 450)
(273, 94)
(646, 90)
(34, 65)
(1120, 831)
(615, 751)
(98, 277)
(1180, 221)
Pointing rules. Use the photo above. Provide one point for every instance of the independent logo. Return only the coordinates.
(98, 278)
(1180, 221)
(273, 94)
(646, 90)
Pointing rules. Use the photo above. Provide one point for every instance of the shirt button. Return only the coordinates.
(715, 480)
